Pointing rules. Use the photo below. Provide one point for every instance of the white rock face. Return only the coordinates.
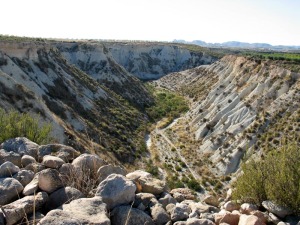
(229, 98)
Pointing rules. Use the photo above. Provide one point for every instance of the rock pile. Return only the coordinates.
(35, 188)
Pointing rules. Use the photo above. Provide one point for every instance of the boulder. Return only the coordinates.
(88, 163)
(159, 214)
(247, 208)
(273, 218)
(263, 216)
(33, 186)
(181, 194)
(17, 210)
(105, 171)
(13, 157)
(136, 175)
(166, 199)
(52, 162)
(170, 207)
(276, 209)
(24, 176)
(88, 211)
(35, 167)
(194, 221)
(180, 223)
(116, 190)
(123, 215)
(8, 169)
(62, 196)
(208, 216)
(250, 220)
(49, 180)
(211, 200)
(230, 206)
(152, 185)
(143, 198)
(26, 160)
(66, 153)
(20, 145)
(59, 217)
(180, 212)
(230, 218)
(10, 189)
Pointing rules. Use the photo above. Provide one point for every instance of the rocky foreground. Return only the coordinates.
(54, 184)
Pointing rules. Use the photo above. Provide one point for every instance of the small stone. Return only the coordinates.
(8, 169)
(166, 199)
(211, 200)
(159, 215)
(276, 209)
(230, 206)
(49, 180)
(33, 186)
(105, 171)
(35, 167)
(195, 221)
(144, 198)
(180, 212)
(10, 189)
(52, 161)
(249, 220)
(184, 192)
(247, 208)
(24, 176)
(62, 196)
(124, 215)
(17, 210)
(12, 157)
(26, 160)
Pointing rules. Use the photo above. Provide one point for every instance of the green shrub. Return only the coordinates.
(194, 185)
(276, 178)
(14, 124)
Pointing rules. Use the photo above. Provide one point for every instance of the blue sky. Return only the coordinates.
(269, 21)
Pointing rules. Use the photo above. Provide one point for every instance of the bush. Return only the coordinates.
(194, 185)
(14, 124)
(276, 178)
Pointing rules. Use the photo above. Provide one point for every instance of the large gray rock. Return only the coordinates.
(32, 186)
(276, 209)
(66, 153)
(13, 157)
(26, 160)
(88, 210)
(88, 163)
(52, 161)
(62, 196)
(159, 214)
(116, 190)
(10, 189)
(105, 171)
(24, 176)
(59, 217)
(124, 215)
(21, 145)
(180, 212)
(166, 199)
(17, 210)
(136, 175)
(49, 180)
(8, 169)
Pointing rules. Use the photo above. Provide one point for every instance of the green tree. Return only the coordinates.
(14, 124)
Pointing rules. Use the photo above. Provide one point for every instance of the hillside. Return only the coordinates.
(94, 102)
(238, 108)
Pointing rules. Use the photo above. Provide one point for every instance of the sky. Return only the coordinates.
(275, 22)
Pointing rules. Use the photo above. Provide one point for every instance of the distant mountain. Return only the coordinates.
(237, 44)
